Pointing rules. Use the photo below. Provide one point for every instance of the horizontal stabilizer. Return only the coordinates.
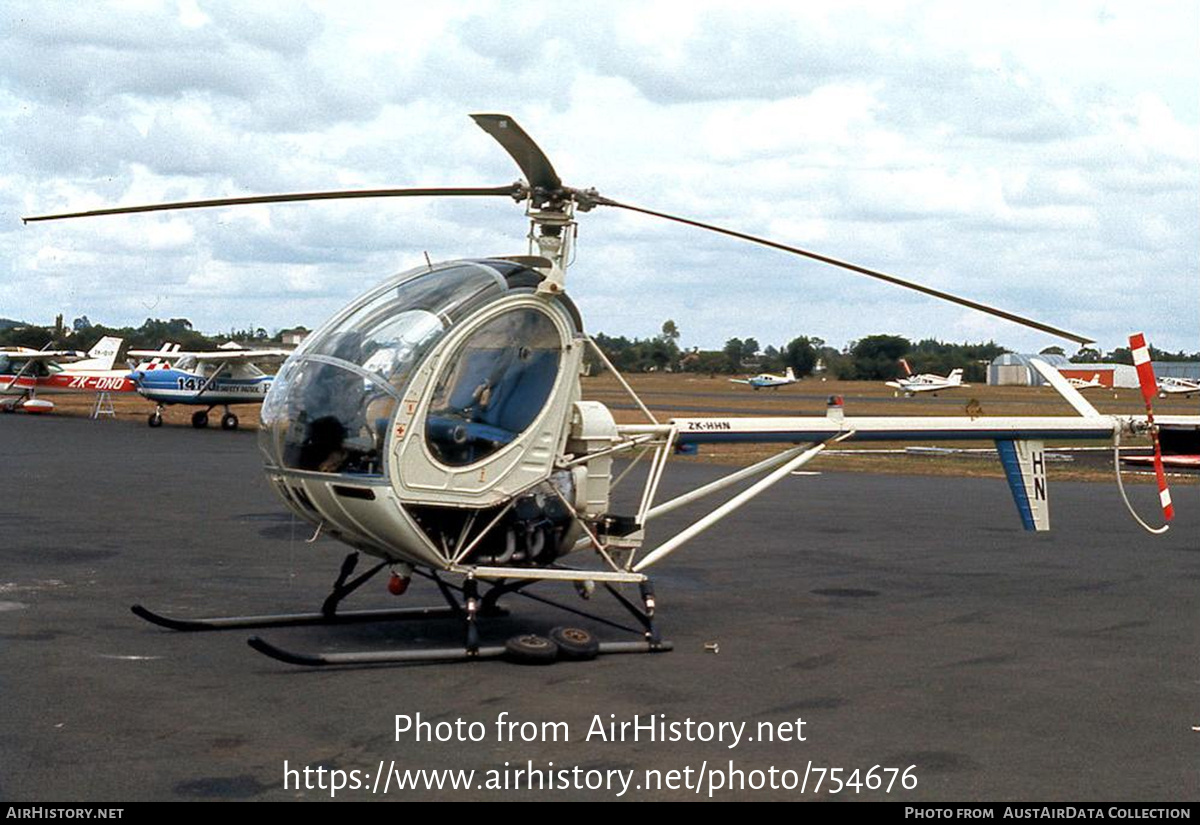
(1025, 466)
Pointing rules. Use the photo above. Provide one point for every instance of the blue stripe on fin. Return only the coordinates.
(1007, 448)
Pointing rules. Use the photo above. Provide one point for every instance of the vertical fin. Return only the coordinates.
(1024, 465)
(106, 351)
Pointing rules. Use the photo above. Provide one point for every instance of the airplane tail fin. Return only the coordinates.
(956, 376)
(156, 363)
(907, 369)
(791, 376)
(102, 356)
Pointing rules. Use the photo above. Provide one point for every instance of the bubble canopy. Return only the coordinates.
(329, 407)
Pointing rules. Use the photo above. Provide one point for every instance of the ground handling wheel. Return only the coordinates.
(529, 649)
(200, 419)
(575, 644)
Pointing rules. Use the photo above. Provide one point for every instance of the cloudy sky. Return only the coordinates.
(1040, 157)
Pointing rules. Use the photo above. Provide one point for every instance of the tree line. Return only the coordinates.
(873, 358)
(82, 335)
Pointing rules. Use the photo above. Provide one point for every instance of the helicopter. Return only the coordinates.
(437, 423)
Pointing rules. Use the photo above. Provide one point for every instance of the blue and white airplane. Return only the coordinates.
(222, 377)
(766, 379)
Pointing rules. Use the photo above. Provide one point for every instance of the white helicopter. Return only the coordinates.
(437, 423)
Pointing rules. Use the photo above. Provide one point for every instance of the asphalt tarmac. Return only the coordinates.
(908, 622)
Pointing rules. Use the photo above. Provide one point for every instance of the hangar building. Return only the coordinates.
(1014, 370)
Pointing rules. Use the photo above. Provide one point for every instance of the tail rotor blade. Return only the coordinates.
(1164, 492)
(1149, 387)
(1145, 370)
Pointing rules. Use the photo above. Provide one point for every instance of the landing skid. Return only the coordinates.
(449, 654)
(329, 614)
(471, 606)
(291, 619)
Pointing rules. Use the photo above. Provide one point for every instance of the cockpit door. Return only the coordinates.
(485, 418)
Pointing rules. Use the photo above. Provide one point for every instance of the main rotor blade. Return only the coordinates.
(529, 157)
(862, 270)
(513, 190)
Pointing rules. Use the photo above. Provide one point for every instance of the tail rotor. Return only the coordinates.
(1149, 388)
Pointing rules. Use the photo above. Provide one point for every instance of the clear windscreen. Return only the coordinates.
(329, 407)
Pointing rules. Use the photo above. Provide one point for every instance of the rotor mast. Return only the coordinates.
(552, 236)
(549, 205)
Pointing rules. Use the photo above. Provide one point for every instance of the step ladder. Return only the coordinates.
(104, 406)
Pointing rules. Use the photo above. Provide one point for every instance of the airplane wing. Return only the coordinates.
(215, 356)
(45, 355)
(739, 381)
(1177, 386)
(1185, 461)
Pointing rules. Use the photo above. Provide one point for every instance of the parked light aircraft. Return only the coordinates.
(209, 379)
(1183, 462)
(912, 384)
(1177, 386)
(1081, 384)
(437, 423)
(766, 379)
(24, 373)
(1180, 449)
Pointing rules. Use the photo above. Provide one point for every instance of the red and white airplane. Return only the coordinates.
(25, 372)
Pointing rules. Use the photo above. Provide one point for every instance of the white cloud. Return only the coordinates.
(1040, 158)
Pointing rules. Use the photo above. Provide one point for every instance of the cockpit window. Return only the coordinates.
(243, 370)
(494, 387)
(330, 405)
(13, 365)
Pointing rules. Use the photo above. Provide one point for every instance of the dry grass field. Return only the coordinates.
(676, 395)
